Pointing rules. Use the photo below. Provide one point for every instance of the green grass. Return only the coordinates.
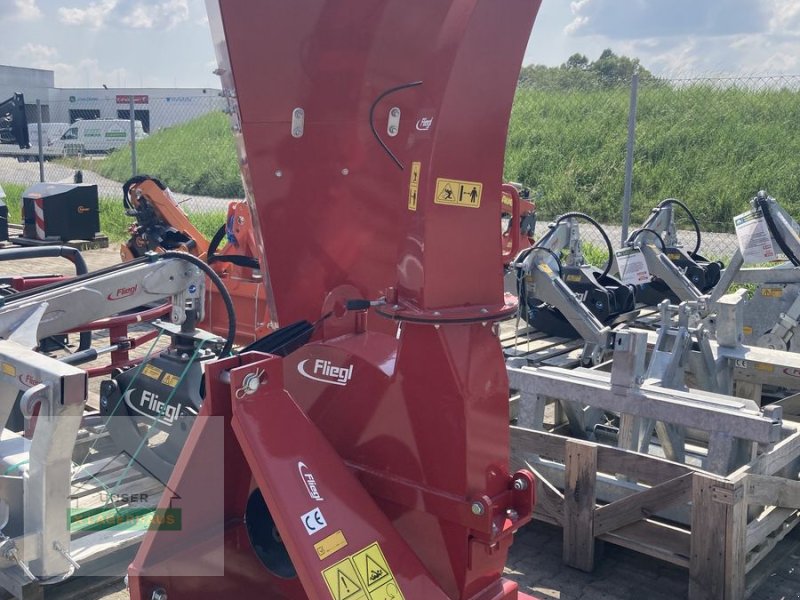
(712, 148)
(113, 221)
(198, 157)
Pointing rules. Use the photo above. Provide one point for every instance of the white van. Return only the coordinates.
(96, 136)
(50, 133)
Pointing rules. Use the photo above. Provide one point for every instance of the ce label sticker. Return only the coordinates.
(313, 521)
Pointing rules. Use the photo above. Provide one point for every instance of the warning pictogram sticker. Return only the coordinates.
(364, 575)
(455, 192)
(343, 582)
(413, 185)
(375, 573)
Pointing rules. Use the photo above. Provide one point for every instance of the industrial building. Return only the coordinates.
(156, 108)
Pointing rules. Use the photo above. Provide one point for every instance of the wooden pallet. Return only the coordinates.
(721, 529)
(725, 530)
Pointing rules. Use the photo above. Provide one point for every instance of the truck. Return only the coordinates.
(96, 136)
(50, 133)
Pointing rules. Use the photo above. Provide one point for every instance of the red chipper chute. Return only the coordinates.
(372, 462)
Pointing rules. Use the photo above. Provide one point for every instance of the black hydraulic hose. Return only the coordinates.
(372, 118)
(763, 203)
(126, 201)
(585, 217)
(236, 259)
(698, 235)
(636, 233)
(226, 296)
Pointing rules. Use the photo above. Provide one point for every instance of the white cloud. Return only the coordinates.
(94, 16)
(136, 14)
(166, 14)
(83, 73)
(20, 10)
(28, 10)
(37, 55)
(575, 25)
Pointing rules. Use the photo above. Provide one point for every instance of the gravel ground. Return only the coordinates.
(27, 173)
(535, 559)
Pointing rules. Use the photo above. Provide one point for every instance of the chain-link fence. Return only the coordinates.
(185, 141)
(711, 142)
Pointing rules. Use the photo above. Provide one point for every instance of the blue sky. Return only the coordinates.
(166, 43)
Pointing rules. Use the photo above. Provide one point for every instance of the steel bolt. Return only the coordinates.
(159, 594)
(520, 485)
(477, 509)
(395, 112)
(278, 173)
(345, 171)
(512, 514)
(392, 130)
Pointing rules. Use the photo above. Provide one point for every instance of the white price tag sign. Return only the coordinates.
(632, 266)
(755, 242)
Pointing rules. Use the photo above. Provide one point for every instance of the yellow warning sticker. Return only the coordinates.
(375, 574)
(330, 544)
(455, 192)
(9, 369)
(545, 269)
(767, 368)
(413, 185)
(170, 379)
(364, 575)
(574, 278)
(507, 200)
(343, 582)
(772, 292)
(151, 372)
(747, 330)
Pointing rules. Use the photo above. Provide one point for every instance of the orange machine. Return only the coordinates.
(162, 225)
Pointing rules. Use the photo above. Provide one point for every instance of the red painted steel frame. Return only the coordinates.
(419, 417)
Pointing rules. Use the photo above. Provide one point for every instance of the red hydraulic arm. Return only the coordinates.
(372, 463)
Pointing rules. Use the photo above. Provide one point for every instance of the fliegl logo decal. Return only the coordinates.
(149, 405)
(325, 371)
(424, 123)
(123, 292)
(309, 481)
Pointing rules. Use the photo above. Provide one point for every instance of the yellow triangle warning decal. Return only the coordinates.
(346, 587)
(375, 573)
(343, 582)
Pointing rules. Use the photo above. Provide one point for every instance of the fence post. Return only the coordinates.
(133, 136)
(626, 201)
(39, 134)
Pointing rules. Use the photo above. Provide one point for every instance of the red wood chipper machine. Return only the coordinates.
(370, 463)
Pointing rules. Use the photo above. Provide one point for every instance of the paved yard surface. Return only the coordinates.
(535, 560)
